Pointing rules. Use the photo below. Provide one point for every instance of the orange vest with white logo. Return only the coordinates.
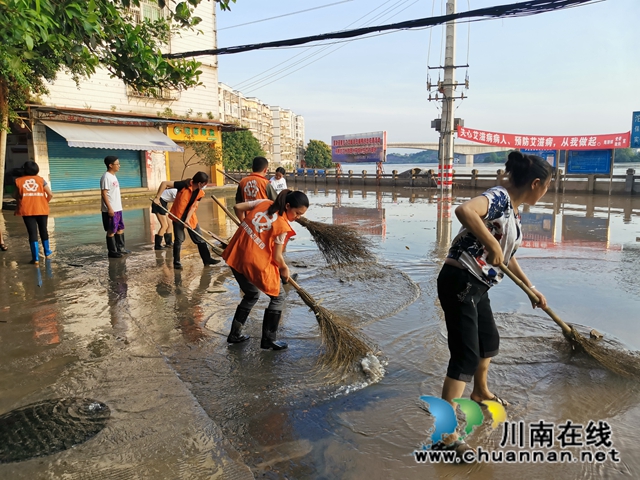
(254, 187)
(250, 250)
(32, 199)
(182, 200)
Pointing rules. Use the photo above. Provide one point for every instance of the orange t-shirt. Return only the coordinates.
(32, 199)
(251, 248)
(182, 200)
(254, 187)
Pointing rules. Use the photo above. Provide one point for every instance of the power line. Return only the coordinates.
(256, 84)
(285, 15)
(532, 7)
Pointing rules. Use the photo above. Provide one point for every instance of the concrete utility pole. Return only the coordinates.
(447, 88)
(447, 124)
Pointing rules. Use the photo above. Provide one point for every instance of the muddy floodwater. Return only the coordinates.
(150, 343)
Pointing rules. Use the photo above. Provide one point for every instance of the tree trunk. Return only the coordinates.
(4, 126)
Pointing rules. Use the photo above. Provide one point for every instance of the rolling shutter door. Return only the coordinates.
(74, 169)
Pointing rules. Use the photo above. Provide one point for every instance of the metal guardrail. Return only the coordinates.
(628, 184)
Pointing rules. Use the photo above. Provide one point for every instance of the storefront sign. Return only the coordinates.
(193, 133)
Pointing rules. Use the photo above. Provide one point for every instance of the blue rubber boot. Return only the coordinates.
(35, 252)
(47, 249)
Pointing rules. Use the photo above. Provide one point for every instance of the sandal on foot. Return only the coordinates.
(3, 247)
(495, 398)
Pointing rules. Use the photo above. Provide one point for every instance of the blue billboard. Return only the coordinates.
(635, 130)
(548, 155)
(589, 161)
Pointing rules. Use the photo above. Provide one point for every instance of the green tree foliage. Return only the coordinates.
(239, 149)
(39, 38)
(627, 155)
(318, 155)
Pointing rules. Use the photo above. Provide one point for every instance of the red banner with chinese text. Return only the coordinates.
(543, 142)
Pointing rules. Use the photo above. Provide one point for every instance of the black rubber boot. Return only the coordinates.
(203, 249)
(111, 247)
(176, 256)
(168, 240)
(158, 243)
(269, 329)
(120, 243)
(235, 336)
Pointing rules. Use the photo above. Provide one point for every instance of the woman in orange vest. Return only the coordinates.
(255, 257)
(33, 195)
(188, 196)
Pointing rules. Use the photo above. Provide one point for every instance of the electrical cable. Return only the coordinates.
(243, 84)
(527, 8)
(256, 84)
(284, 15)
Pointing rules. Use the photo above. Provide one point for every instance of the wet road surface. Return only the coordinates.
(150, 342)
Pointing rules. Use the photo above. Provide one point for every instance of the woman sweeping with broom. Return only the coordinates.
(255, 256)
(490, 235)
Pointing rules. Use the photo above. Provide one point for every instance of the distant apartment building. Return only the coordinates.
(279, 131)
(74, 127)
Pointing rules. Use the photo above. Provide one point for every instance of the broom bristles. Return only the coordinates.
(338, 244)
(344, 345)
(625, 364)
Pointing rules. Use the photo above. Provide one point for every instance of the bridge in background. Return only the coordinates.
(467, 150)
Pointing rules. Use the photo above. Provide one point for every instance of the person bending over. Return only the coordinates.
(188, 196)
(255, 257)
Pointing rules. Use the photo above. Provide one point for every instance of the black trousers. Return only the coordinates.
(179, 238)
(35, 223)
(471, 330)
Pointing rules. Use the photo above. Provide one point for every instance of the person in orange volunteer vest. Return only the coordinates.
(256, 186)
(185, 204)
(33, 195)
(255, 257)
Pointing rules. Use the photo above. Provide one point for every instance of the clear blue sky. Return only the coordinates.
(573, 72)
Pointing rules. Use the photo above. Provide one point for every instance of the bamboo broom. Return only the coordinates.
(338, 244)
(625, 364)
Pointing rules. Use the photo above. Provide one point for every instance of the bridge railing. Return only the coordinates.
(625, 184)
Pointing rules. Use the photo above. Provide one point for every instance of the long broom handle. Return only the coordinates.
(565, 328)
(228, 176)
(226, 210)
(223, 241)
(215, 248)
(292, 282)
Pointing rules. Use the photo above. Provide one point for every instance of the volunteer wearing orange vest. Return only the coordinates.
(255, 257)
(190, 192)
(256, 186)
(33, 195)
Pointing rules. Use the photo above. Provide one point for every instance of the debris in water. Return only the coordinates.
(596, 335)
(372, 367)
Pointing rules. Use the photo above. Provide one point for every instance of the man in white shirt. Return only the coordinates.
(112, 208)
(278, 181)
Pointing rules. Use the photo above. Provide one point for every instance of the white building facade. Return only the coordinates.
(101, 103)
(279, 131)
